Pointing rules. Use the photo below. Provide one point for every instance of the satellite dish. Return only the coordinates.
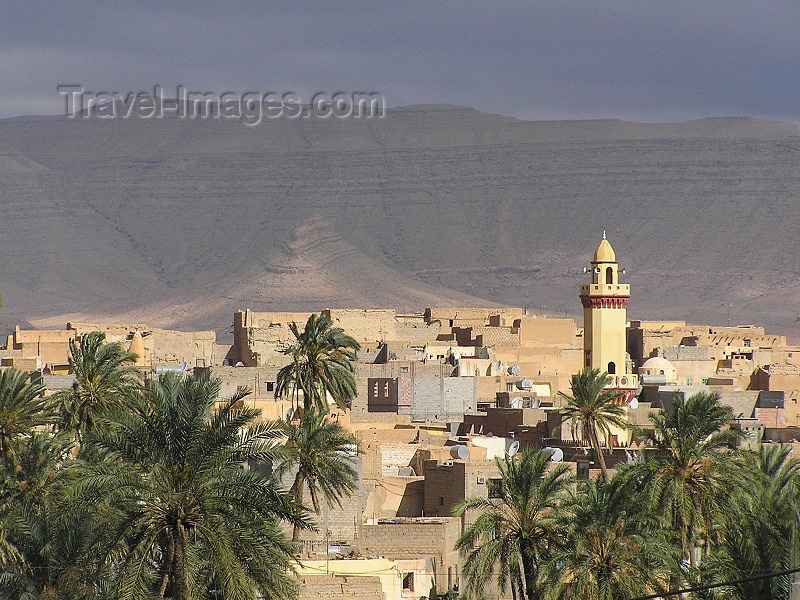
(585, 270)
(289, 414)
(513, 448)
(634, 403)
(460, 452)
(514, 370)
(524, 384)
(516, 402)
(556, 454)
(597, 269)
(536, 403)
(348, 450)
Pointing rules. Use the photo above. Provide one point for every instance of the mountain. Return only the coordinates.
(180, 222)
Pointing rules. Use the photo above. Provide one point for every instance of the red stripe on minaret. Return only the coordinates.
(605, 301)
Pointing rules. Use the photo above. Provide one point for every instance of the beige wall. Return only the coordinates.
(389, 572)
(447, 482)
(162, 346)
(325, 585)
(694, 370)
(538, 331)
(469, 317)
(51, 345)
(395, 496)
(197, 348)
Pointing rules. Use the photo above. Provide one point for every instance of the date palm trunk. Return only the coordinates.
(297, 491)
(595, 441)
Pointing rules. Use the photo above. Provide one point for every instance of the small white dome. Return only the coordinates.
(659, 365)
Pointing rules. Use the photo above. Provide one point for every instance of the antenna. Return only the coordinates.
(634, 403)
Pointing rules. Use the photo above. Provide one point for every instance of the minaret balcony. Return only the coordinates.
(626, 381)
(602, 289)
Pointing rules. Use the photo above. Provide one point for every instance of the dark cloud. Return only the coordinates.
(643, 61)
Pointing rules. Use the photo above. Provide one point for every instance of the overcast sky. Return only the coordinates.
(647, 61)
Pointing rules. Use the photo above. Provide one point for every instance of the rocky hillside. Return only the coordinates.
(180, 222)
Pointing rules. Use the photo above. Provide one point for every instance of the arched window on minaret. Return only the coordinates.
(612, 368)
(609, 275)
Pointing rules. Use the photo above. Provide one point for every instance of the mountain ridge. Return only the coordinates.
(185, 221)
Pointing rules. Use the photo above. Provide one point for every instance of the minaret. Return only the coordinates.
(604, 313)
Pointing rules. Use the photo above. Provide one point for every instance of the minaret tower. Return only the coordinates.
(604, 313)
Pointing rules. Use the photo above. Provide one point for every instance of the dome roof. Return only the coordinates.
(657, 364)
(604, 252)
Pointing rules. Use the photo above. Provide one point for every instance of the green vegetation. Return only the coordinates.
(512, 534)
(104, 378)
(119, 488)
(592, 410)
(321, 365)
(693, 509)
(321, 452)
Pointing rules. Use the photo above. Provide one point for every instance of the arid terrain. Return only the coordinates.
(178, 223)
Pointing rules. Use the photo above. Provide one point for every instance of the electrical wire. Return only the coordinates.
(701, 588)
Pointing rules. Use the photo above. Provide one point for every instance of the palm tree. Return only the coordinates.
(49, 539)
(516, 526)
(179, 514)
(23, 408)
(321, 451)
(758, 531)
(321, 365)
(592, 410)
(104, 377)
(612, 549)
(688, 477)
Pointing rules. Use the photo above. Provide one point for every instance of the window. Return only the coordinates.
(270, 386)
(690, 381)
(746, 343)
(612, 368)
(609, 276)
(705, 380)
(408, 582)
(441, 500)
(386, 389)
(495, 487)
(375, 390)
(404, 369)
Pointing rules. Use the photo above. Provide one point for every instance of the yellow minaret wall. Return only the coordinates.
(604, 313)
